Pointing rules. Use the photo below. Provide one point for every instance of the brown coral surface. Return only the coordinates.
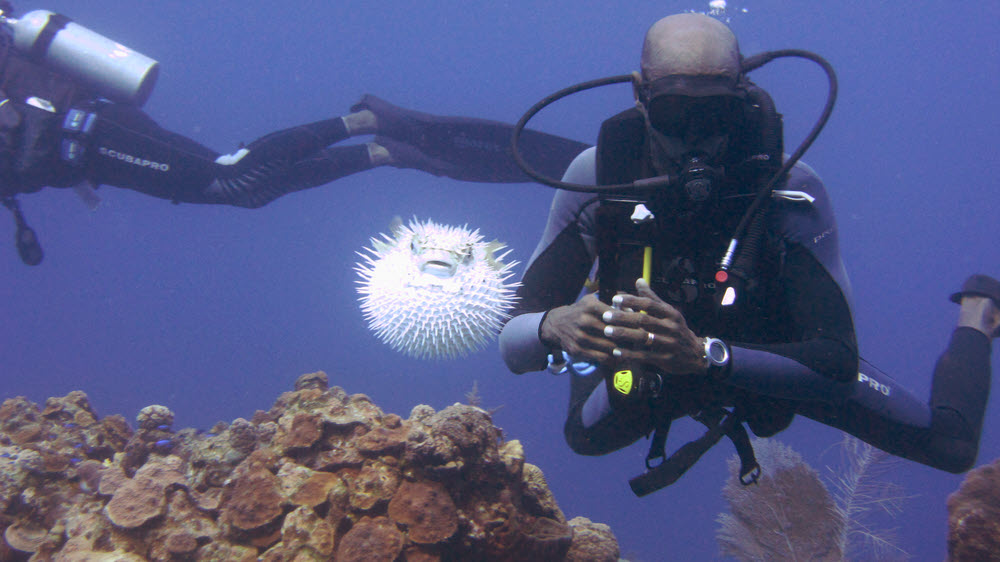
(322, 475)
(974, 516)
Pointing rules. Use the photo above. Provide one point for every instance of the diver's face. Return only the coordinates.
(692, 120)
(688, 140)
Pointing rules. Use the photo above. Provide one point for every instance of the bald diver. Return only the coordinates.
(722, 295)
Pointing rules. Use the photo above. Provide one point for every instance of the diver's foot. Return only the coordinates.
(360, 123)
(378, 155)
(390, 120)
(980, 301)
(402, 155)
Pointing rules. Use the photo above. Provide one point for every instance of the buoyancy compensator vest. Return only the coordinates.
(52, 71)
(681, 250)
(753, 156)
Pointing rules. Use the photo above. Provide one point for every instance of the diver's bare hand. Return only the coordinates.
(660, 337)
(578, 330)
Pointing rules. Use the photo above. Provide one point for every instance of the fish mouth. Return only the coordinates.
(438, 268)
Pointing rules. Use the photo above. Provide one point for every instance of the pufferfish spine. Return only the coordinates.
(435, 291)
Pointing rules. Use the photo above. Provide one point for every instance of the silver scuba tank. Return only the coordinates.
(115, 71)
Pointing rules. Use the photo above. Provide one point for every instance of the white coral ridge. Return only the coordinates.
(435, 291)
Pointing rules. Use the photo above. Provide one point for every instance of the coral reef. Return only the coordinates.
(974, 516)
(322, 475)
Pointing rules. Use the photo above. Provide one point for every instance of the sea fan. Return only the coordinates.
(791, 514)
(435, 291)
(787, 515)
(862, 492)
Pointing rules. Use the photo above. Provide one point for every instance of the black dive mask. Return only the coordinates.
(688, 140)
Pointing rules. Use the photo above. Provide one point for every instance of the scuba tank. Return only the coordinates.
(112, 69)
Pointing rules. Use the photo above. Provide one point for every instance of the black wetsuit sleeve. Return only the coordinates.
(128, 149)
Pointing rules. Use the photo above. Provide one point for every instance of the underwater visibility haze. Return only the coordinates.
(213, 311)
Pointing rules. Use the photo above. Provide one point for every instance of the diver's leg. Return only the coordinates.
(961, 383)
(592, 426)
(127, 149)
(944, 433)
(475, 149)
(299, 142)
(136, 153)
(259, 181)
(877, 410)
(958, 400)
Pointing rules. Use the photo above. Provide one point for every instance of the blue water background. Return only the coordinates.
(214, 311)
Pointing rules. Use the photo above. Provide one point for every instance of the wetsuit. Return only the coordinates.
(119, 145)
(792, 339)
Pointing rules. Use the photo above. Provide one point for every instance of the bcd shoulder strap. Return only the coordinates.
(621, 148)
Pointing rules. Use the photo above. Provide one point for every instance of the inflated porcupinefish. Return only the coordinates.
(435, 291)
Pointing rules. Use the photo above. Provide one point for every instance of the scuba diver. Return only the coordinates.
(70, 117)
(692, 320)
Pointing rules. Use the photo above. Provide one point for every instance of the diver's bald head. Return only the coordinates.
(690, 45)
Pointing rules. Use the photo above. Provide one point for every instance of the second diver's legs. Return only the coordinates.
(179, 169)
(465, 148)
(287, 161)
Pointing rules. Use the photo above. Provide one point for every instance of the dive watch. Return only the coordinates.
(716, 357)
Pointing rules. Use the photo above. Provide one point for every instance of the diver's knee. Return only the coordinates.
(582, 441)
(953, 445)
(581, 444)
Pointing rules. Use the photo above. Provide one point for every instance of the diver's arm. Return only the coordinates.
(555, 273)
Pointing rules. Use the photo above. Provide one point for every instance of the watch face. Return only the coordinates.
(717, 352)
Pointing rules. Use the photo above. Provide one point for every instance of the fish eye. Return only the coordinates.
(416, 244)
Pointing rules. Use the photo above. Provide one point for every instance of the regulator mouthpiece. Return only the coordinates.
(698, 180)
